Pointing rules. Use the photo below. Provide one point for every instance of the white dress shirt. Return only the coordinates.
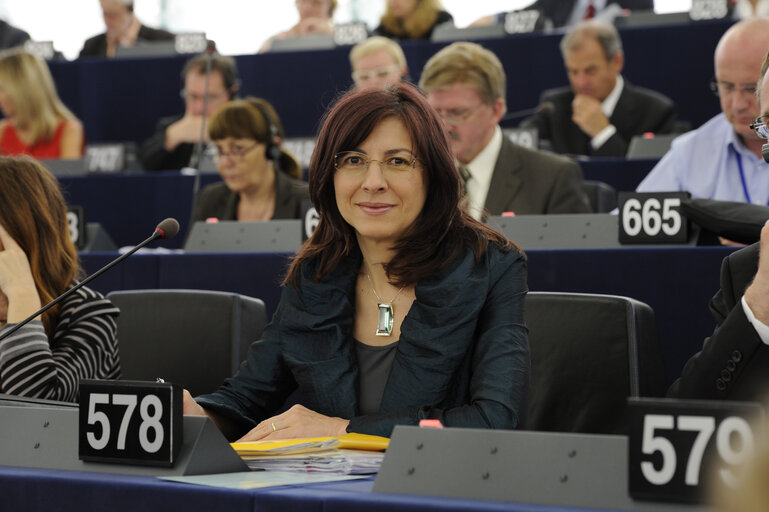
(481, 169)
(607, 106)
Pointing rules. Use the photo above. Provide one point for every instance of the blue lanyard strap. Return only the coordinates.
(742, 177)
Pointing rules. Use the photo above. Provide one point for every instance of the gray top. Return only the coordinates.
(375, 363)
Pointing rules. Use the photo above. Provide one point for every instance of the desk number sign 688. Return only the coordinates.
(130, 422)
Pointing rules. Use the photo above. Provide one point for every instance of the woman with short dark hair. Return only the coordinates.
(400, 307)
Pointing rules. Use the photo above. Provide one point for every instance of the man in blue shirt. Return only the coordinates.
(722, 158)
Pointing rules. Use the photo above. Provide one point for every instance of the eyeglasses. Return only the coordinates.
(721, 88)
(352, 161)
(383, 72)
(457, 116)
(759, 126)
(235, 152)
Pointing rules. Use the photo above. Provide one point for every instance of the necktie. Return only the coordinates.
(464, 173)
(590, 12)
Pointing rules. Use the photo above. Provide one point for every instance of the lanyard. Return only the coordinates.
(742, 178)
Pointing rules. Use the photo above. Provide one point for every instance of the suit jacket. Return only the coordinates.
(638, 111)
(733, 363)
(155, 157)
(11, 36)
(97, 45)
(559, 11)
(463, 355)
(216, 200)
(527, 181)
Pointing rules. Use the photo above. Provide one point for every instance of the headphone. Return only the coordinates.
(272, 151)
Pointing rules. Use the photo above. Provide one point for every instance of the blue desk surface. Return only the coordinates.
(43, 490)
(676, 282)
(122, 99)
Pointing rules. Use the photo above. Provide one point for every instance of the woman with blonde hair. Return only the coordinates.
(77, 339)
(412, 19)
(36, 121)
(260, 179)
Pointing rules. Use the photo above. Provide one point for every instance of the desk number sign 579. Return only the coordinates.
(130, 422)
(676, 446)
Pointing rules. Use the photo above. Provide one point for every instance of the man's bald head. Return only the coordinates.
(738, 59)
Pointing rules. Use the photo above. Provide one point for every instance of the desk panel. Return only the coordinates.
(676, 282)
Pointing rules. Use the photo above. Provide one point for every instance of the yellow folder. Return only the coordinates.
(350, 441)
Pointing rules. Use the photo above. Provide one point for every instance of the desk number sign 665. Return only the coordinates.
(652, 218)
(676, 446)
(130, 422)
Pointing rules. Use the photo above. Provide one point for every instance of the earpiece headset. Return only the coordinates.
(272, 151)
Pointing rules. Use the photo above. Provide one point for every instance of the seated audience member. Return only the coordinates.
(11, 36)
(399, 307)
(734, 361)
(722, 159)
(74, 340)
(600, 112)
(315, 18)
(261, 180)
(123, 29)
(412, 19)
(563, 13)
(466, 85)
(173, 144)
(36, 121)
(748, 8)
(377, 62)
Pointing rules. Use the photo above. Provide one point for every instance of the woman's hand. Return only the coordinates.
(190, 406)
(298, 421)
(16, 281)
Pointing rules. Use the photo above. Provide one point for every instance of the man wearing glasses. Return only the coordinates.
(172, 145)
(722, 159)
(734, 362)
(465, 83)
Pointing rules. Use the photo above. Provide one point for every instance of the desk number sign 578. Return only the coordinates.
(130, 422)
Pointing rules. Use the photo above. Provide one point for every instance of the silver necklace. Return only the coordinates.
(385, 323)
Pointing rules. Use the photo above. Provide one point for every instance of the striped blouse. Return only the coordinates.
(84, 346)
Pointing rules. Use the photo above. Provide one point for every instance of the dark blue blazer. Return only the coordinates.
(463, 355)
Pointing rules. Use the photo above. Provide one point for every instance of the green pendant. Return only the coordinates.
(385, 324)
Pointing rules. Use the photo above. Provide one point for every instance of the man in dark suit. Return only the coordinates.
(600, 112)
(734, 362)
(123, 29)
(466, 85)
(172, 145)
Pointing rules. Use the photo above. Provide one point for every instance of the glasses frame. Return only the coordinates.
(459, 119)
(759, 126)
(751, 89)
(382, 165)
(234, 156)
(372, 73)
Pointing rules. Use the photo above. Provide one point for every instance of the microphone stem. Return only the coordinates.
(79, 285)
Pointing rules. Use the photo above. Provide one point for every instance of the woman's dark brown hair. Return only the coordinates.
(245, 119)
(34, 213)
(440, 231)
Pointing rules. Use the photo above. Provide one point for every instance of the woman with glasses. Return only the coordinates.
(261, 180)
(400, 307)
(412, 19)
(36, 121)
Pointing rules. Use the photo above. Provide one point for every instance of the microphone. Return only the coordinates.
(547, 105)
(765, 152)
(165, 230)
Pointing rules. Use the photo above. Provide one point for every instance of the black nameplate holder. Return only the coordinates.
(346, 34)
(652, 218)
(190, 42)
(130, 422)
(674, 444)
(77, 226)
(526, 137)
(523, 22)
(709, 10)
